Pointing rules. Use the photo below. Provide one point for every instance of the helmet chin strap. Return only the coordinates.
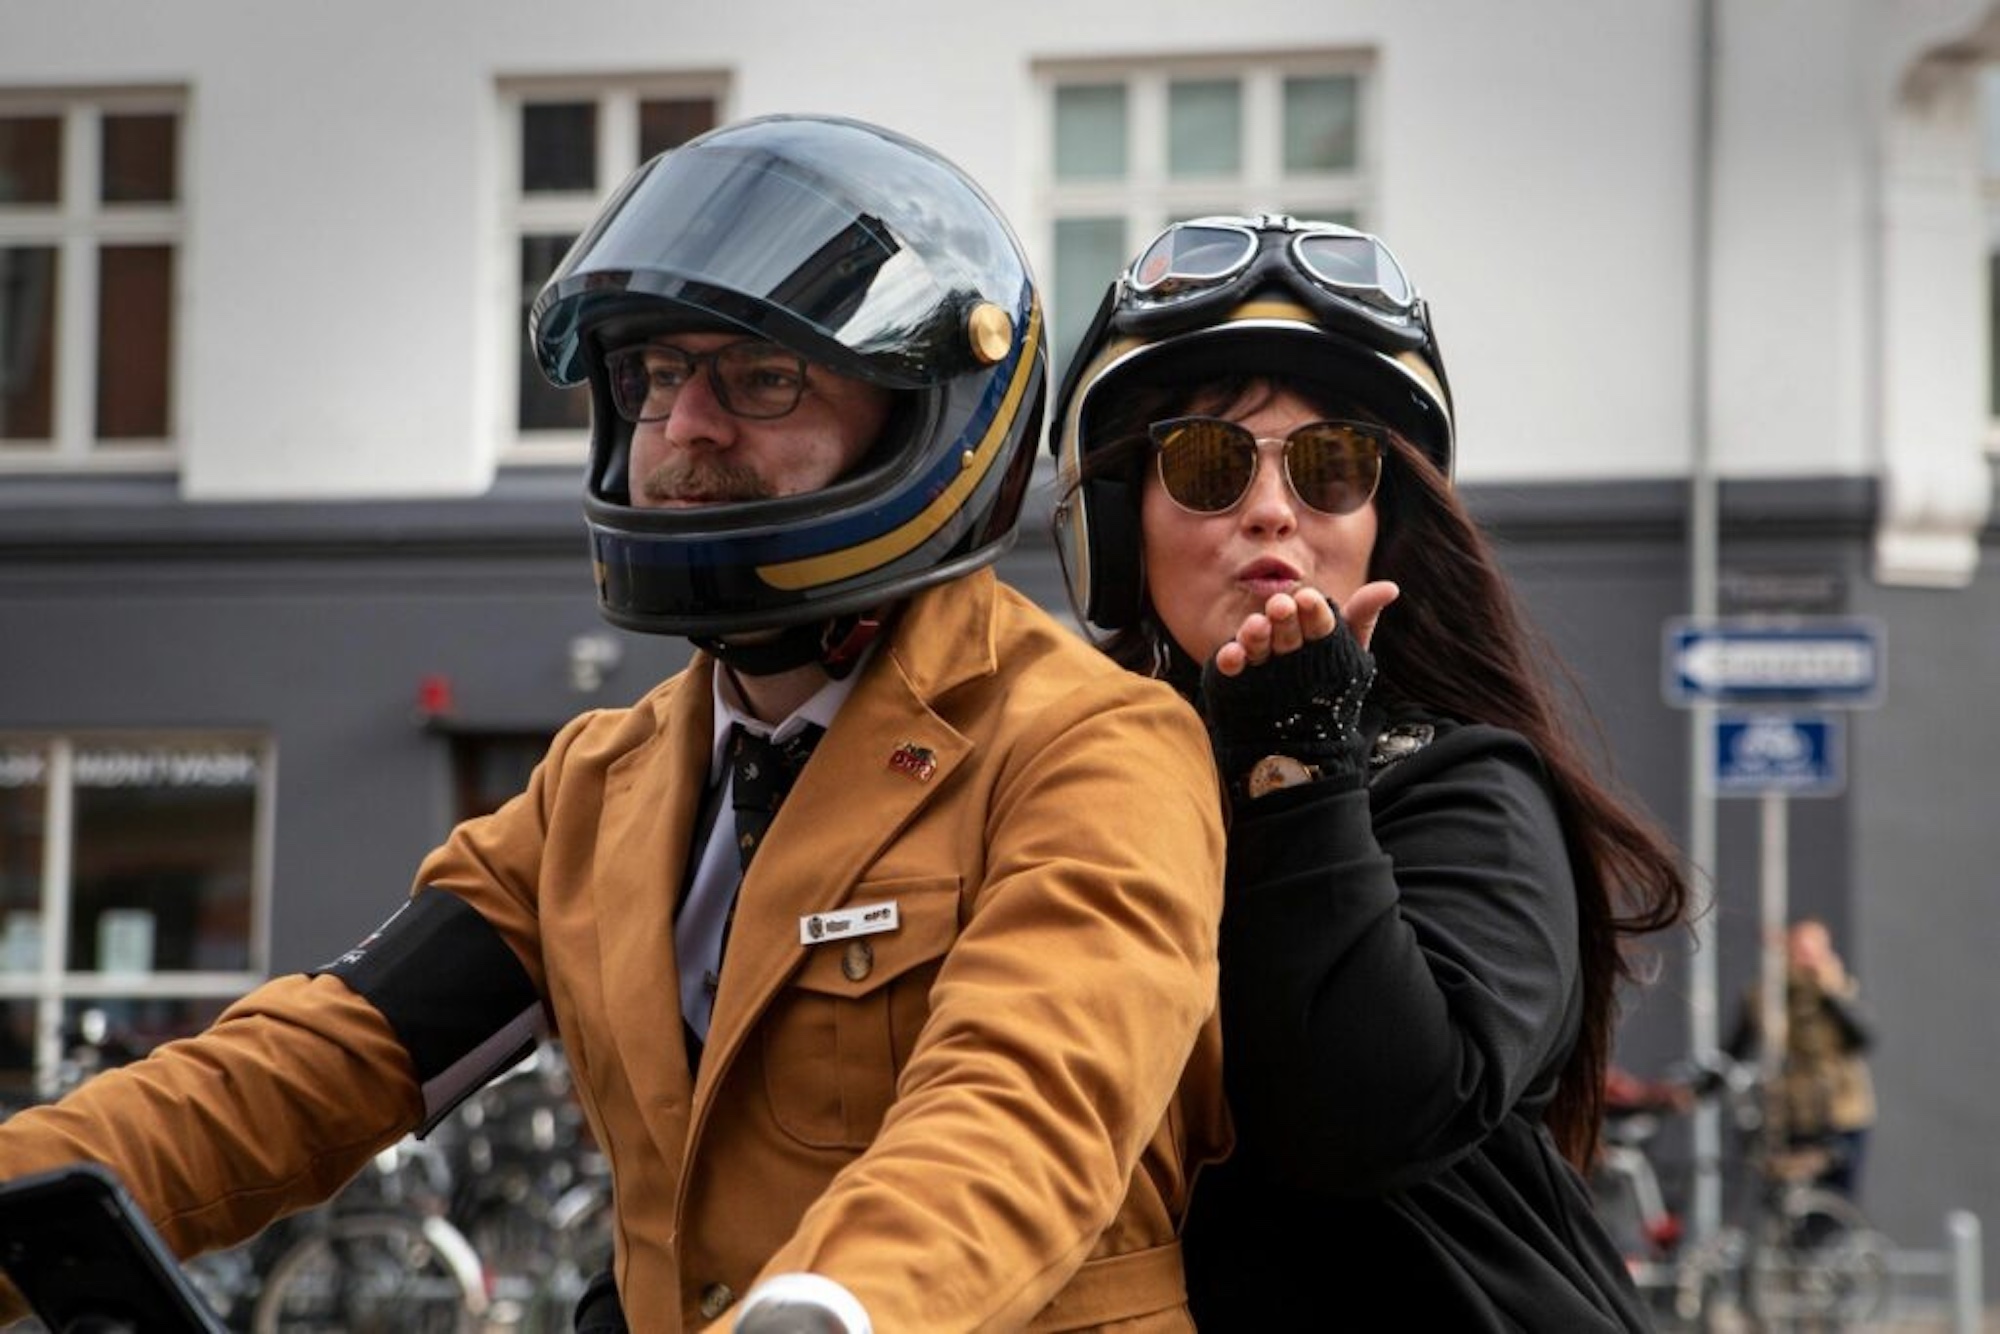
(836, 645)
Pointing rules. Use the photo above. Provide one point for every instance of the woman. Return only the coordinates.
(1428, 890)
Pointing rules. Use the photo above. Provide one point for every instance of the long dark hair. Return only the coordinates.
(1460, 645)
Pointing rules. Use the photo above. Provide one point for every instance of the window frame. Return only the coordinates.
(53, 985)
(1147, 197)
(1989, 181)
(78, 226)
(617, 98)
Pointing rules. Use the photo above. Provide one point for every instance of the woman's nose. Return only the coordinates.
(1270, 506)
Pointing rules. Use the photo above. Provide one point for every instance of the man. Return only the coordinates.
(945, 1056)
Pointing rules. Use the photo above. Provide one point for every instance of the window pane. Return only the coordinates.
(134, 341)
(1321, 133)
(1090, 131)
(488, 769)
(30, 159)
(1989, 107)
(24, 799)
(100, 1034)
(558, 147)
(1346, 217)
(670, 122)
(1205, 128)
(1993, 331)
(163, 857)
(140, 163)
(17, 1054)
(543, 407)
(27, 342)
(1089, 252)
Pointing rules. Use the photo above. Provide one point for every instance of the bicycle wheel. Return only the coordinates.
(1823, 1261)
(374, 1274)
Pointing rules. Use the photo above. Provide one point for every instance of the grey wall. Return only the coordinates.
(121, 606)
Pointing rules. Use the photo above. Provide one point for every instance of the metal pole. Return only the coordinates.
(1773, 1039)
(1705, 1206)
(1966, 1295)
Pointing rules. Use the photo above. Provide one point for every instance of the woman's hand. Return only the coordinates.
(1292, 683)
(1291, 620)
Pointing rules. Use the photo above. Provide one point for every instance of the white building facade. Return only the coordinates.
(292, 570)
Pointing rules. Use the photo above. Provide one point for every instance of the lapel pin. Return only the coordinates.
(914, 761)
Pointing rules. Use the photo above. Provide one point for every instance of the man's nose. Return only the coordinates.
(698, 416)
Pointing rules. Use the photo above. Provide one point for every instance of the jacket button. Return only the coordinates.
(858, 961)
(715, 1299)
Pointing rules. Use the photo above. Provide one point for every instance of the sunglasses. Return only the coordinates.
(1207, 464)
(752, 379)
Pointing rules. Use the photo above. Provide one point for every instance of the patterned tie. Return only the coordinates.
(762, 774)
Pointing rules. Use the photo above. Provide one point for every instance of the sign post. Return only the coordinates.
(1774, 745)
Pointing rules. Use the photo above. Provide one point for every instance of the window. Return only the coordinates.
(133, 873)
(90, 234)
(573, 144)
(1989, 109)
(488, 769)
(1134, 147)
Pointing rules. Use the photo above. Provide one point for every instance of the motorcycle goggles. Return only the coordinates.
(1206, 464)
(1199, 269)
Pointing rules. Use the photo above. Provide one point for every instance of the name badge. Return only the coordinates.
(865, 919)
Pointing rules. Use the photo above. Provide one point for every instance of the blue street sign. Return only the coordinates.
(1791, 754)
(1824, 661)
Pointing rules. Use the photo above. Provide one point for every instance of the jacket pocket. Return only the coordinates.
(839, 1035)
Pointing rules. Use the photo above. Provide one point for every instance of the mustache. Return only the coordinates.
(707, 480)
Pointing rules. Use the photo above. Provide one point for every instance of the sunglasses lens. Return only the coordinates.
(1334, 466)
(1205, 463)
(1191, 256)
(1359, 263)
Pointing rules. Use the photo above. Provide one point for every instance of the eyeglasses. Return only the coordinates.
(1207, 464)
(751, 379)
(1211, 254)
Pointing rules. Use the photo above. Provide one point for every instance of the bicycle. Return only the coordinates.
(380, 1258)
(533, 1193)
(1808, 1259)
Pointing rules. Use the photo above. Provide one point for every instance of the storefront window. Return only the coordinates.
(131, 895)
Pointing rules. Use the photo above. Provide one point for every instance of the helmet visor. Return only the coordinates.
(769, 232)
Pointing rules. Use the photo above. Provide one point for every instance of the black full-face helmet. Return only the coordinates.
(1214, 298)
(866, 253)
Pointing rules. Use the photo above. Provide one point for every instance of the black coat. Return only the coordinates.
(1401, 989)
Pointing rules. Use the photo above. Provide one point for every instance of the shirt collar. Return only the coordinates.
(728, 712)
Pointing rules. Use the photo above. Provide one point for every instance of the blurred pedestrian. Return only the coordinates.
(1823, 1106)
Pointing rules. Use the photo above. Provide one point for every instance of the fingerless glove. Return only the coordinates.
(1305, 704)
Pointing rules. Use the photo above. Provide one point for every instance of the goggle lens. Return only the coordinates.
(1358, 264)
(1207, 464)
(1191, 255)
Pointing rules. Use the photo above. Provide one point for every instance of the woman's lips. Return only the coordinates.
(1266, 577)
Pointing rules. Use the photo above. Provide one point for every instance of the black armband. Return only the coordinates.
(458, 998)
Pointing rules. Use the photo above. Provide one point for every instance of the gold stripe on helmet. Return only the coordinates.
(833, 566)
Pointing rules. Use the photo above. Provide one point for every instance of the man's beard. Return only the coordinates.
(702, 482)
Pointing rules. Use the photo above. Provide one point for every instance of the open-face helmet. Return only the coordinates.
(1221, 297)
(865, 253)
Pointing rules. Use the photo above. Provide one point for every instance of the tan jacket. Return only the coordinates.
(1021, 1078)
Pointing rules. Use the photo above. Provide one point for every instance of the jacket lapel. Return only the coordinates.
(651, 799)
(884, 759)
